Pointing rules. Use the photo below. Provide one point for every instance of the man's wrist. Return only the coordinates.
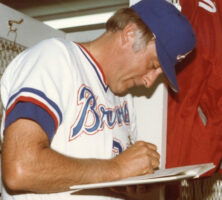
(116, 169)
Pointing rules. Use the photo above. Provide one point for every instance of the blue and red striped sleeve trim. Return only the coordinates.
(33, 104)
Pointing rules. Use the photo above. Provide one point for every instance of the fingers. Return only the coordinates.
(146, 144)
(153, 155)
(140, 158)
(151, 146)
(151, 151)
(141, 188)
(120, 189)
(155, 162)
(136, 189)
(132, 189)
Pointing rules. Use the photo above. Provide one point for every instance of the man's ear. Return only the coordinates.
(128, 34)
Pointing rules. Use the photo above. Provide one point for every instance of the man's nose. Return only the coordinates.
(150, 77)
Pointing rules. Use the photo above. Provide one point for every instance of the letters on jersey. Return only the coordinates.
(93, 116)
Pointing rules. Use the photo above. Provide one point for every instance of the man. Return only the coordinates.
(65, 121)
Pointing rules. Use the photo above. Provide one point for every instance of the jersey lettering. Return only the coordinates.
(117, 147)
(208, 5)
(93, 117)
(119, 115)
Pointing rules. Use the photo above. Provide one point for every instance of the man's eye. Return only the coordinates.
(155, 66)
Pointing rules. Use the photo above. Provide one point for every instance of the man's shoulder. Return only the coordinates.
(52, 44)
(52, 48)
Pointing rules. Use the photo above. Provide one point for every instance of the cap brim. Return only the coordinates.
(168, 66)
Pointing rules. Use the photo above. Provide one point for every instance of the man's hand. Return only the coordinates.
(138, 192)
(140, 158)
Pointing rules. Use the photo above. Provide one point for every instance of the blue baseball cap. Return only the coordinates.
(174, 34)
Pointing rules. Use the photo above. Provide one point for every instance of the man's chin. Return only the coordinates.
(119, 92)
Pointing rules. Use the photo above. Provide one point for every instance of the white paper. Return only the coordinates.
(166, 175)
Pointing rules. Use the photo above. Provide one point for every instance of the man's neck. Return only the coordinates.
(105, 50)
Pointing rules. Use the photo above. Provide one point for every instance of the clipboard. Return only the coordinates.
(164, 175)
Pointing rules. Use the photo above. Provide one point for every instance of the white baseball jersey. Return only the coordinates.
(58, 84)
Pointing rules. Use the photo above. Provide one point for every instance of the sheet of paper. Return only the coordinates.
(166, 175)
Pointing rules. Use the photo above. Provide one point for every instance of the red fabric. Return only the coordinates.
(189, 141)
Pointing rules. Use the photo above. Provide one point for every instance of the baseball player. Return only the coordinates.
(66, 120)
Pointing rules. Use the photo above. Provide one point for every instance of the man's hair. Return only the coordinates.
(125, 16)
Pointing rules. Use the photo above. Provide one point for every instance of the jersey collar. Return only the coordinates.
(96, 66)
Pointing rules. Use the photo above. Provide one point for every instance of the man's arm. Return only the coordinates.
(29, 164)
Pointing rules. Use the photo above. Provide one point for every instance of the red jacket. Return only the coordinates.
(195, 114)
